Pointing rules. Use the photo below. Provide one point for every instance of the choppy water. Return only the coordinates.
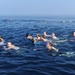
(31, 60)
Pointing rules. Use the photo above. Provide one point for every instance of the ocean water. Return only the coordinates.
(37, 60)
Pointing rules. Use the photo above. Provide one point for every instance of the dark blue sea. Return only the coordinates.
(37, 60)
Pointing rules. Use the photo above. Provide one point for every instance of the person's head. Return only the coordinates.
(73, 33)
(53, 34)
(38, 35)
(28, 36)
(9, 44)
(44, 33)
(49, 44)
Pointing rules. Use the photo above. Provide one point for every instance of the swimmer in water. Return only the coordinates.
(44, 39)
(38, 37)
(34, 41)
(41, 38)
(54, 37)
(28, 36)
(50, 47)
(10, 46)
(46, 35)
(56, 40)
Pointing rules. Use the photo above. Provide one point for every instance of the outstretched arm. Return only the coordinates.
(6, 48)
(55, 49)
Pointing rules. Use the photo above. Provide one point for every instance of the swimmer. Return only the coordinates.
(28, 36)
(38, 37)
(57, 40)
(54, 37)
(46, 35)
(36, 42)
(43, 39)
(10, 46)
(50, 47)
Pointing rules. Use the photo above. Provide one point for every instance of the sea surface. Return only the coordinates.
(37, 60)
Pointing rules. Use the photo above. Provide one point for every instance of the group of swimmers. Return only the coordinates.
(49, 39)
(46, 39)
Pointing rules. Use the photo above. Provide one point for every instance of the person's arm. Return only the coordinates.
(6, 48)
(55, 49)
